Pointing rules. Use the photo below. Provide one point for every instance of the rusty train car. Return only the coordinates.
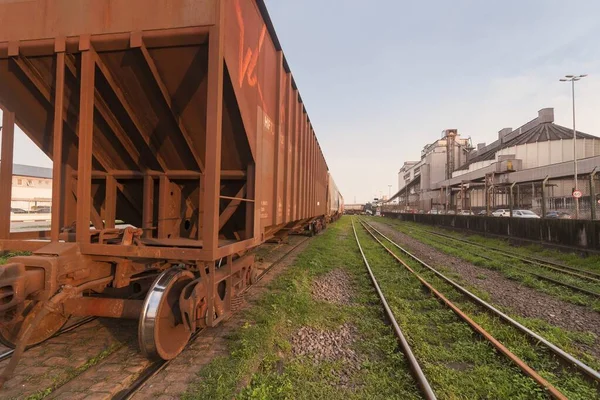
(180, 118)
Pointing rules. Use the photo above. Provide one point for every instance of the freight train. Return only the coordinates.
(180, 118)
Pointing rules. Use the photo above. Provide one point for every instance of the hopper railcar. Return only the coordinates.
(181, 119)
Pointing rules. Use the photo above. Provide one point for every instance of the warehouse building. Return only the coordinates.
(31, 187)
(529, 167)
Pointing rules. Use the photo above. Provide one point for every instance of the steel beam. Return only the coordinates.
(231, 207)
(57, 142)
(214, 120)
(86, 130)
(137, 42)
(111, 120)
(110, 202)
(6, 171)
(103, 307)
(148, 207)
(129, 110)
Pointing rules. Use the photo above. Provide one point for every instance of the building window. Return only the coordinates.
(29, 182)
(19, 182)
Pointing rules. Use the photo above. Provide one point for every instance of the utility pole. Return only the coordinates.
(573, 79)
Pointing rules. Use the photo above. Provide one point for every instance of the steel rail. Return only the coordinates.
(404, 345)
(543, 277)
(566, 357)
(554, 392)
(153, 369)
(84, 321)
(535, 261)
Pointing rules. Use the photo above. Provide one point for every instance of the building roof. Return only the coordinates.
(539, 133)
(31, 171)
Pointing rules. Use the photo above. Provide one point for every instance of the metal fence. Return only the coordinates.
(559, 197)
(554, 196)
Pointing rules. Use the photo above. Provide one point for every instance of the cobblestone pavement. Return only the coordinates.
(59, 358)
(101, 358)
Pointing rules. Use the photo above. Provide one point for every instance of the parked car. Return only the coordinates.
(466, 212)
(558, 215)
(18, 211)
(524, 214)
(451, 212)
(434, 211)
(482, 212)
(43, 210)
(501, 212)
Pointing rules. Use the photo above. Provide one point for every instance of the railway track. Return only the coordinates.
(158, 366)
(541, 351)
(576, 277)
(414, 366)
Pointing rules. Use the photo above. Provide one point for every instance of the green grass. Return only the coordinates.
(510, 267)
(261, 365)
(568, 340)
(569, 382)
(7, 255)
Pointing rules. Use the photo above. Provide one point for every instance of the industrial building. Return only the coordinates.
(31, 187)
(529, 167)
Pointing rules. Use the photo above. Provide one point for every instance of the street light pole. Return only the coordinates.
(573, 79)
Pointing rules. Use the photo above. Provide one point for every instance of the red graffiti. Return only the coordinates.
(248, 57)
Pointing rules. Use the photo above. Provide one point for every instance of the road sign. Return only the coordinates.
(577, 194)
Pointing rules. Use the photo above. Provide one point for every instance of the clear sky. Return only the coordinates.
(382, 78)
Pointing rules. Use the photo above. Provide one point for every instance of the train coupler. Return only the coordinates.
(16, 283)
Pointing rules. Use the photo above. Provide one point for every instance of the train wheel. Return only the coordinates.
(49, 325)
(161, 331)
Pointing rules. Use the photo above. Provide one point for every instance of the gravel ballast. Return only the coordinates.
(334, 287)
(319, 345)
(523, 300)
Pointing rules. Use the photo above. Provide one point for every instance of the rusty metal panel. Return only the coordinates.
(323, 185)
(301, 142)
(295, 154)
(305, 165)
(315, 176)
(311, 169)
(41, 19)
(280, 142)
(252, 62)
(302, 166)
(299, 164)
(288, 150)
(298, 184)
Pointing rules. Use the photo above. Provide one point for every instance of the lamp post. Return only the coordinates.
(573, 79)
